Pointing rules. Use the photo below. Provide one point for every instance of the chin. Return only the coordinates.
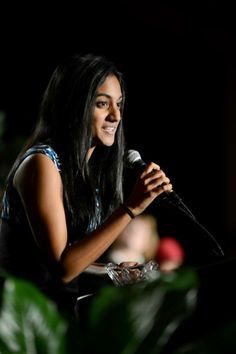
(104, 141)
(107, 142)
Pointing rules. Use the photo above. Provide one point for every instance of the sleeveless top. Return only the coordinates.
(19, 253)
(10, 210)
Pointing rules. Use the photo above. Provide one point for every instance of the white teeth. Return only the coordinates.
(109, 129)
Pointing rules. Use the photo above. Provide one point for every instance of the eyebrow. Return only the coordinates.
(108, 96)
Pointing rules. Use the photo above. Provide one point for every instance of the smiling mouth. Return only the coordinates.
(109, 130)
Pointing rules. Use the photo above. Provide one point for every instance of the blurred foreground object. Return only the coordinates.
(140, 318)
(170, 254)
(138, 242)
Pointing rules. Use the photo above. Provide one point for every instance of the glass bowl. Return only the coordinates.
(122, 275)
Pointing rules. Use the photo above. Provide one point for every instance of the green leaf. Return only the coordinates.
(29, 322)
(140, 318)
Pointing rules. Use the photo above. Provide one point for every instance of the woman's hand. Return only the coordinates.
(150, 184)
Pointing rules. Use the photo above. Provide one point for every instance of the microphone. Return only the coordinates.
(133, 160)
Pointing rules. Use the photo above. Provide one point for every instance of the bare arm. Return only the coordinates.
(40, 187)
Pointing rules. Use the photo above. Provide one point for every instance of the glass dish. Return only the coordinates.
(122, 275)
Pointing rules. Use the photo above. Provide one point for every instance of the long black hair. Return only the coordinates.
(92, 190)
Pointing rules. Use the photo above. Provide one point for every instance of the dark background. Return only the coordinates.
(179, 64)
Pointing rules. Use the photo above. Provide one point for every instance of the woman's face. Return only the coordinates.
(106, 114)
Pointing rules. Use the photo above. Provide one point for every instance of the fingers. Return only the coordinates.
(150, 184)
(166, 187)
(150, 169)
(155, 181)
(153, 177)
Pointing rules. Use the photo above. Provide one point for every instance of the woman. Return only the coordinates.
(63, 205)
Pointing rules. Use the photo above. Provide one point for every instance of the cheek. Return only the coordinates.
(97, 119)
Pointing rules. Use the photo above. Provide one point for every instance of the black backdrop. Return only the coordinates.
(179, 64)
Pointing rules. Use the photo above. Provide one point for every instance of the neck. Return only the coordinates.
(90, 152)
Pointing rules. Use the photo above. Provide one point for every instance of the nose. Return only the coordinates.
(114, 113)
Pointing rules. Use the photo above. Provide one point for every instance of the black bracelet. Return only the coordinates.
(128, 211)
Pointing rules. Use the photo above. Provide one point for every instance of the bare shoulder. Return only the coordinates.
(35, 169)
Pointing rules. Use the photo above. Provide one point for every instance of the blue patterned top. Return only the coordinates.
(40, 148)
(19, 253)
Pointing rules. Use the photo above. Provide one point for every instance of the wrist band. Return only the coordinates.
(128, 211)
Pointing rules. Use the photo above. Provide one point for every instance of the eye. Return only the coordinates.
(102, 104)
(119, 105)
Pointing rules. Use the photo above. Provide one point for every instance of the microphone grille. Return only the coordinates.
(131, 156)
